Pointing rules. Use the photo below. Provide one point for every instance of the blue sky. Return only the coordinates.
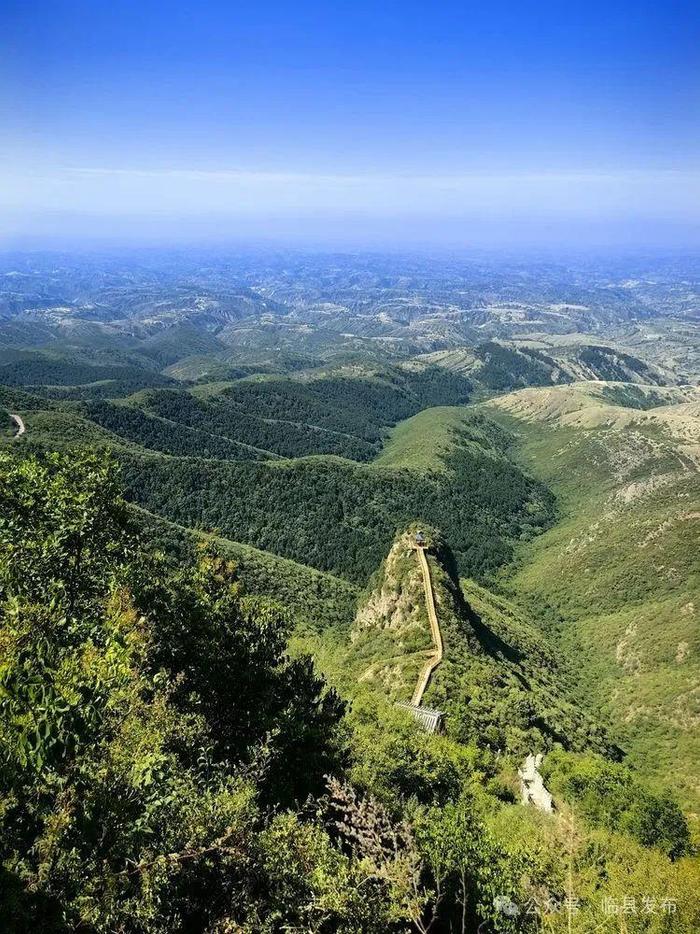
(407, 122)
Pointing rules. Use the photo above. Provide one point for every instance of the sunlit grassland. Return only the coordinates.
(422, 441)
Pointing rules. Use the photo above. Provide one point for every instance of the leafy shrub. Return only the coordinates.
(609, 795)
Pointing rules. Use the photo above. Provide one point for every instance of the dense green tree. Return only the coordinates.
(142, 715)
(609, 794)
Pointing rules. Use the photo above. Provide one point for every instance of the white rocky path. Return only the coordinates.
(532, 785)
(17, 419)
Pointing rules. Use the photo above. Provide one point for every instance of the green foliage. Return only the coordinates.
(342, 415)
(154, 731)
(504, 368)
(615, 581)
(608, 794)
(6, 424)
(474, 871)
(314, 885)
(313, 598)
(35, 368)
(169, 345)
(227, 656)
(136, 708)
(614, 364)
(427, 440)
(62, 530)
(502, 688)
(395, 762)
(342, 517)
(159, 434)
(633, 397)
(17, 400)
(246, 421)
(500, 684)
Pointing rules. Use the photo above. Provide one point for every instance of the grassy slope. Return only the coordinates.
(422, 441)
(620, 569)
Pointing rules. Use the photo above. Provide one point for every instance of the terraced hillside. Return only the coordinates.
(618, 576)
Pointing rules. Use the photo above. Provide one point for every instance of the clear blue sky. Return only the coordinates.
(432, 122)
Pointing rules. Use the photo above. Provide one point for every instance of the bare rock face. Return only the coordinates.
(398, 601)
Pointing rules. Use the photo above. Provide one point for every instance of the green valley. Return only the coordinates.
(619, 573)
(214, 616)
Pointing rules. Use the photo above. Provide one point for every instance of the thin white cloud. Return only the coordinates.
(459, 179)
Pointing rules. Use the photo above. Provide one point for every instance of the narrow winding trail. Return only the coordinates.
(434, 660)
(21, 428)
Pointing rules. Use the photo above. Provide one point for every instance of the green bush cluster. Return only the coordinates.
(609, 795)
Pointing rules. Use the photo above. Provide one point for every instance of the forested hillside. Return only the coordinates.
(167, 766)
(224, 473)
(346, 412)
(314, 599)
(33, 370)
(500, 366)
(341, 517)
(209, 606)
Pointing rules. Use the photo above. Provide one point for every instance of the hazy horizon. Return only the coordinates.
(516, 125)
